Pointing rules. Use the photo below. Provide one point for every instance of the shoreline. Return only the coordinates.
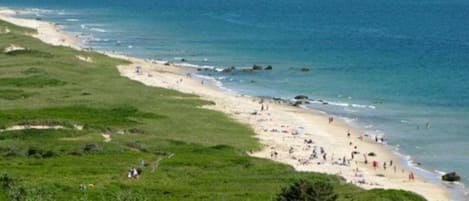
(278, 128)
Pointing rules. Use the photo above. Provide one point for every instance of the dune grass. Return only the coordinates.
(189, 153)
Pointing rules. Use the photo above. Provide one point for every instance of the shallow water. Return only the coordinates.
(388, 67)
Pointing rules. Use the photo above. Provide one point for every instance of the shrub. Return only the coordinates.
(303, 190)
(6, 182)
(129, 196)
(33, 70)
(92, 147)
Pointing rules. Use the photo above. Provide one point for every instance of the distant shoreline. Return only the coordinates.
(283, 129)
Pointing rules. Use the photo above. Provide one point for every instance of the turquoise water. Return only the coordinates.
(389, 67)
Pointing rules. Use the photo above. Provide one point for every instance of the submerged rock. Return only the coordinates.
(257, 67)
(269, 67)
(305, 69)
(301, 97)
(451, 177)
(228, 70)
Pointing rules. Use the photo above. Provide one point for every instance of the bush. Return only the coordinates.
(33, 70)
(92, 147)
(303, 190)
(129, 196)
(136, 131)
(6, 182)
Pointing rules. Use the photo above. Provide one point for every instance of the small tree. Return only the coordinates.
(303, 190)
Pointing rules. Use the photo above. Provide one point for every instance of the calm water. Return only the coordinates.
(389, 67)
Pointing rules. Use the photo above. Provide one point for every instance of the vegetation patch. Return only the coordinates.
(91, 117)
(31, 82)
(12, 94)
(33, 71)
(30, 53)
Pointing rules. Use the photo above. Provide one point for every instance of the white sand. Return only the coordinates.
(12, 48)
(27, 127)
(279, 128)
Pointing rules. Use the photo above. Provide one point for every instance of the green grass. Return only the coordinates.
(33, 81)
(192, 153)
(12, 94)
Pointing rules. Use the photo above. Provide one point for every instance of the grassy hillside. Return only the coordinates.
(190, 153)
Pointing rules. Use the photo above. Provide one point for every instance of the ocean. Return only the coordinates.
(394, 68)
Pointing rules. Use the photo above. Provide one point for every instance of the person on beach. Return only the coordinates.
(375, 164)
(348, 133)
(411, 176)
(331, 119)
(384, 165)
(390, 163)
(365, 159)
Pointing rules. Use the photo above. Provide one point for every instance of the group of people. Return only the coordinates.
(133, 173)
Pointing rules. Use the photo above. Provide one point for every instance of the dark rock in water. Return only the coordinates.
(199, 69)
(305, 69)
(247, 70)
(452, 176)
(269, 67)
(257, 67)
(276, 99)
(253, 81)
(371, 154)
(301, 97)
(182, 59)
(167, 63)
(325, 103)
(38, 18)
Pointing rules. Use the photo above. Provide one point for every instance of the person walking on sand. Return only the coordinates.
(411, 176)
(375, 164)
(331, 119)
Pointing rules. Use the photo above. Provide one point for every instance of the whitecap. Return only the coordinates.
(187, 65)
(338, 104)
(98, 30)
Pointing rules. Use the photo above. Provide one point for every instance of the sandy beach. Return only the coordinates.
(304, 139)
